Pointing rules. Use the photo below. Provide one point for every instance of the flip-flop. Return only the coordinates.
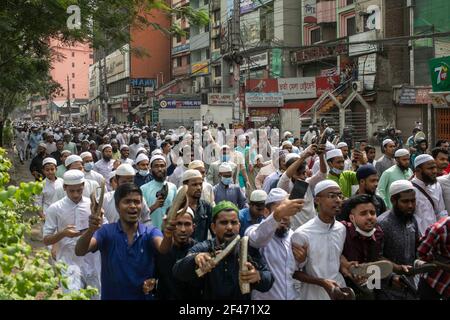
(362, 270)
(345, 293)
(420, 267)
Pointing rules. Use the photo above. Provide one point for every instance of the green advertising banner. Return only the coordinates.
(440, 74)
(276, 63)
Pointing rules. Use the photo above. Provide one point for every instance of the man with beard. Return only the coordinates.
(429, 201)
(58, 153)
(324, 238)
(68, 145)
(128, 248)
(226, 190)
(255, 212)
(273, 238)
(153, 190)
(207, 191)
(367, 177)
(106, 164)
(345, 179)
(193, 179)
(421, 148)
(169, 288)
(221, 280)
(400, 239)
(115, 149)
(134, 147)
(97, 155)
(36, 163)
(124, 153)
(84, 146)
(440, 155)
(309, 136)
(88, 165)
(400, 171)
(345, 153)
(387, 160)
(143, 174)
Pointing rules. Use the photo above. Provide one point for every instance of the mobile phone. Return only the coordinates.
(299, 190)
(357, 145)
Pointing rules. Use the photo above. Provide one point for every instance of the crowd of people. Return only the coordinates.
(356, 212)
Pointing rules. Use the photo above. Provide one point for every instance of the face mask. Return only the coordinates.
(364, 233)
(226, 181)
(88, 166)
(226, 158)
(143, 172)
(336, 171)
(291, 140)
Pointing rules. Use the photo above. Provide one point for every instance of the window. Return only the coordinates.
(217, 15)
(188, 59)
(315, 35)
(207, 28)
(178, 38)
(179, 62)
(73, 85)
(73, 64)
(207, 53)
(218, 71)
(73, 95)
(351, 26)
(216, 43)
(350, 2)
(206, 2)
(73, 75)
(73, 54)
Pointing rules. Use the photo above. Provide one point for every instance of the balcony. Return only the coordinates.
(326, 12)
(180, 71)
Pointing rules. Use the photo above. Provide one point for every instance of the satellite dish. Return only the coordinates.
(419, 135)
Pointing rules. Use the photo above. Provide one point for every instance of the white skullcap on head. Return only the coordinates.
(329, 146)
(157, 157)
(386, 141)
(334, 153)
(188, 136)
(196, 164)
(287, 133)
(341, 145)
(224, 147)
(111, 175)
(258, 196)
(286, 143)
(124, 146)
(125, 169)
(225, 167)
(401, 153)
(276, 195)
(73, 177)
(141, 149)
(422, 159)
(85, 154)
(140, 158)
(173, 137)
(49, 160)
(323, 185)
(189, 211)
(71, 159)
(260, 157)
(400, 186)
(106, 146)
(66, 151)
(290, 156)
(43, 145)
(242, 137)
(157, 151)
(190, 174)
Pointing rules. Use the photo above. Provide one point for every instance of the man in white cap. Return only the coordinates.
(429, 201)
(309, 135)
(324, 238)
(193, 179)
(207, 191)
(89, 172)
(345, 179)
(68, 145)
(279, 163)
(36, 162)
(242, 151)
(400, 237)
(61, 169)
(286, 145)
(58, 153)
(124, 153)
(134, 146)
(254, 170)
(106, 164)
(158, 193)
(255, 212)
(51, 183)
(347, 161)
(65, 221)
(273, 239)
(213, 176)
(143, 174)
(387, 160)
(226, 190)
(400, 171)
(124, 174)
(97, 155)
(50, 143)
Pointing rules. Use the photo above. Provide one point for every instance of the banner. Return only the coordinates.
(258, 99)
(221, 99)
(297, 88)
(277, 63)
(261, 85)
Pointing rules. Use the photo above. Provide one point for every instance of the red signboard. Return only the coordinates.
(326, 84)
(261, 85)
(317, 53)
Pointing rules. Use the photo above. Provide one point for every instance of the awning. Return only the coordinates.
(135, 110)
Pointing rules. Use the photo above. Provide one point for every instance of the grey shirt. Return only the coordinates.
(383, 164)
(233, 193)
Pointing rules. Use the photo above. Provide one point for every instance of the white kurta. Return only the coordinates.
(177, 175)
(95, 176)
(444, 181)
(325, 245)
(104, 168)
(82, 271)
(425, 214)
(47, 197)
(112, 215)
(279, 257)
(134, 149)
(89, 187)
(127, 160)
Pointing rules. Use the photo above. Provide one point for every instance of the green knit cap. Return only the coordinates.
(224, 205)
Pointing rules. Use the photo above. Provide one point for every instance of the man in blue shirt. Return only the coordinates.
(226, 190)
(254, 214)
(128, 248)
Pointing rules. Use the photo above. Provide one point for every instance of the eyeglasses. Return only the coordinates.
(334, 196)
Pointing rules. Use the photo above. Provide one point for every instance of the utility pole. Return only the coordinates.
(68, 99)
(103, 87)
(237, 59)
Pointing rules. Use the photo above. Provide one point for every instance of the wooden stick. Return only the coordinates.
(244, 286)
(97, 206)
(177, 204)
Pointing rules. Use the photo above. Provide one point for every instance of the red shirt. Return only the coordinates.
(360, 248)
(437, 241)
(447, 170)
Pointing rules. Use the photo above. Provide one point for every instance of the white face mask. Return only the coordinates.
(364, 233)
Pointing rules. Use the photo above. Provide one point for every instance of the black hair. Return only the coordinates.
(369, 147)
(125, 189)
(164, 144)
(352, 203)
(439, 143)
(290, 162)
(436, 151)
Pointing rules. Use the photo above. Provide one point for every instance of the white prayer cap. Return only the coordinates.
(157, 157)
(114, 132)
(71, 159)
(92, 142)
(224, 147)
(401, 153)
(124, 146)
(106, 146)
(323, 185)
(422, 159)
(157, 151)
(85, 154)
(334, 153)
(258, 196)
(140, 158)
(260, 157)
(43, 145)
(286, 143)
(174, 137)
(66, 151)
(141, 149)
(341, 145)
(188, 136)
(125, 169)
(290, 156)
(188, 211)
(144, 131)
(287, 133)
(386, 141)
(190, 174)
(225, 167)
(196, 164)
(73, 177)
(329, 146)
(111, 175)
(49, 160)
(400, 186)
(242, 137)
(276, 195)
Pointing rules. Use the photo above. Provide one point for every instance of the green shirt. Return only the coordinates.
(345, 180)
(392, 174)
(60, 171)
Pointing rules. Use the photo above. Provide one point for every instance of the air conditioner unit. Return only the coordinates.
(357, 86)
